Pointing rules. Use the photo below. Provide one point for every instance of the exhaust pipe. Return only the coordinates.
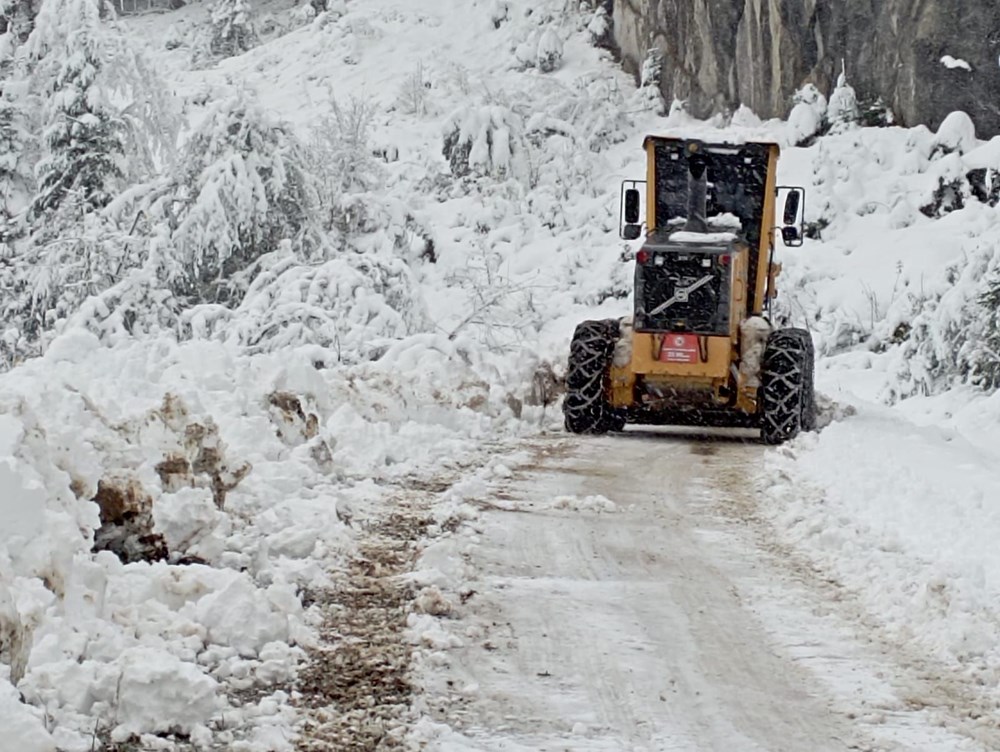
(697, 213)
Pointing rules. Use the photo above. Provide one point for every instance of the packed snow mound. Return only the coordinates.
(216, 607)
(908, 529)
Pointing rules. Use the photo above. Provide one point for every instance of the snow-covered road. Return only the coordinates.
(621, 593)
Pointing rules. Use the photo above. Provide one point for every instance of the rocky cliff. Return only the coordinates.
(723, 53)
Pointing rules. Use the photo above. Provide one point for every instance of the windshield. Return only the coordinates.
(737, 179)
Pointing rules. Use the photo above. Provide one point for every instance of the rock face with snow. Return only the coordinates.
(720, 54)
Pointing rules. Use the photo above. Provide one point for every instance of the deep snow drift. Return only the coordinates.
(503, 135)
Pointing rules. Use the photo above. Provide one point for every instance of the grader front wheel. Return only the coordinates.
(585, 407)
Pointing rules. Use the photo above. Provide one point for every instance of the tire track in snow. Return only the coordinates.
(606, 622)
(669, 620)
(358, 688)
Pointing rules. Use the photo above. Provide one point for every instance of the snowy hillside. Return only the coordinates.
(328, 286)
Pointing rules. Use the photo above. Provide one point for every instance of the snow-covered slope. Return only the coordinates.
(484, 230)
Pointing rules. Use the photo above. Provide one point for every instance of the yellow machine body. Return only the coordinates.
(713, 379)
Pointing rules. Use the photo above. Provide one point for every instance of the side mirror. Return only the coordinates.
(793, 215)
(632, 207)
(790, 235)
(630, 212)
(792, 203)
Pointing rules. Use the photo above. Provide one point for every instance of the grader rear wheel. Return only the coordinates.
(585, 407)
(787, 394)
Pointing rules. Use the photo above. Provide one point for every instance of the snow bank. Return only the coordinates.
(157, 647)
(910, 529)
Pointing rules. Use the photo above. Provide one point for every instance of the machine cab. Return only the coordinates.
(709, 233)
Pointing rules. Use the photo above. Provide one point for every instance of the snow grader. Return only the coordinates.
(700, 348)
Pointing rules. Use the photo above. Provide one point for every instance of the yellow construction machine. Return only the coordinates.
(700, 348)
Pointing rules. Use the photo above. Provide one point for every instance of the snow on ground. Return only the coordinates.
(896, 503)
(154, 648)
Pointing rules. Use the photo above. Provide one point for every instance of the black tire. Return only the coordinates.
(585, 407)
(787, 396)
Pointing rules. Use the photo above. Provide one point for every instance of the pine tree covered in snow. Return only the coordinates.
(649, 94)
(19, 16)
(601, 30)
(232, 28)
(16, 146)
(984, 356)
(84, 139)
(104, 123)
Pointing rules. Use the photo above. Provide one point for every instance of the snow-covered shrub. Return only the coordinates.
(808, 116)
(499, 12)
(304, 15)
(499, 311)
(486, 140)
(549, 54)
(413, 93)
(243, 185)
(873, 112)
(349, 305)
(346, 167)
(232, 28)
(592, 112)
(174, 37)
(842, 111)
(957, 133)
(49, 278)
(526, 52)
(744, 117)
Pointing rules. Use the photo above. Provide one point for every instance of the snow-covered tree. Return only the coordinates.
(232, 28)
(601, 29)
(649, 94)
(19, 18)
(16, 149)
(16, 178)
(842, 111)
(984, 355)
(243, 186)
(84, 138)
